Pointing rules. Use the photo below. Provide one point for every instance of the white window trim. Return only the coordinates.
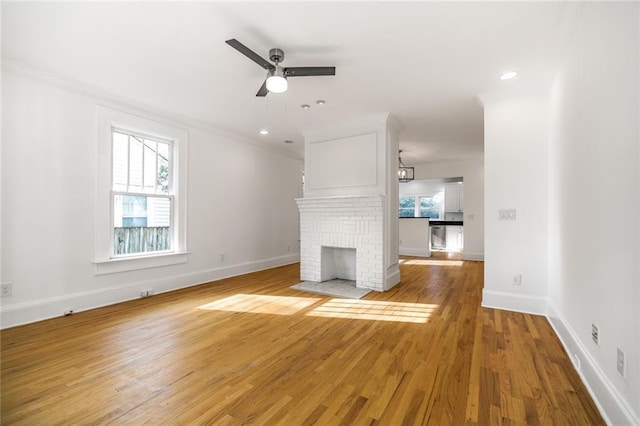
(108, 119)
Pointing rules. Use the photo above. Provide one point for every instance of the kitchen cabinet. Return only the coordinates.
(454, 197)
(455, 238)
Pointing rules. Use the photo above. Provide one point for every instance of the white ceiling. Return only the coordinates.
(424, 62)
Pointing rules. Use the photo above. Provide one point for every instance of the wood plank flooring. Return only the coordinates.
(250, 350)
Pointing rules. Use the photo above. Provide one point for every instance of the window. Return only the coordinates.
(421, 206)
(141, 208)
(141, 193)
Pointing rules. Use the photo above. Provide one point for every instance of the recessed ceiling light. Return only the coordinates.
(288, 141)
(264, 132)
(509, 75)
(305, 106)
(320, 102)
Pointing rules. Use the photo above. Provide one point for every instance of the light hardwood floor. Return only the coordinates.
(249, 350)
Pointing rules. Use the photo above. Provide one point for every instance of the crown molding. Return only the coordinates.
(130, 105)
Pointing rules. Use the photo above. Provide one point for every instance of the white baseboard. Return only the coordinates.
(420, 252)
(37, 310)
(514, 302)
(472, 256)
(612, 406)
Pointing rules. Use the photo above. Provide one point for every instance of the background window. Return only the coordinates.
(407, 206)
(421, 206)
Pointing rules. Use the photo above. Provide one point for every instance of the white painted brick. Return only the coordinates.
(349, 222)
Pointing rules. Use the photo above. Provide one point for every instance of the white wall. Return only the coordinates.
(240, 203)
(594, 203)
(422, 187)
(515, 151)
(569, 162)
(472, 172)
(342, 164)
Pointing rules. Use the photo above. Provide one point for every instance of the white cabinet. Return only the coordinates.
(453, 197)
(455, 238)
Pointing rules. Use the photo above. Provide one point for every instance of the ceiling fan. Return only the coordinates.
(276, 80)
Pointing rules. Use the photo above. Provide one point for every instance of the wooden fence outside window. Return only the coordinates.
(141, 239)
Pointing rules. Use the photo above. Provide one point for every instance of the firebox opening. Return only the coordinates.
(338, 263)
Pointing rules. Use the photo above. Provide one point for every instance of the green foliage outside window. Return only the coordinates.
(428, 206)
(407, 206)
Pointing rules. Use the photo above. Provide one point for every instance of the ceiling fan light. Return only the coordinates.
(276, 82)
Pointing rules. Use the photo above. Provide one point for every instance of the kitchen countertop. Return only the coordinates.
(439, 222)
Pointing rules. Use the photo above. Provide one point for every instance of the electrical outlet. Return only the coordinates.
(517, 280)
(576, 361)
(621, 363)
(595, 334)
(146, 293)
(6, 290)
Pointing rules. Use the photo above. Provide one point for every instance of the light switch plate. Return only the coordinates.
(507, 214)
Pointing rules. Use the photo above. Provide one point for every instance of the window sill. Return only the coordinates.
(125, 264)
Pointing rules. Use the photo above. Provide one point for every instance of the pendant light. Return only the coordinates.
(405, 174)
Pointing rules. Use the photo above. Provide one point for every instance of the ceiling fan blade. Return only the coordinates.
(309, 71)
(250, 54)
(263, 90)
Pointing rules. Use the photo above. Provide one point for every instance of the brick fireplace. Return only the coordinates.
(331, 228)
(349, 213)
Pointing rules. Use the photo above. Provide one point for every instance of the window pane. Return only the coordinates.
(163, 168)
(158, 211)
(120, 166)
(407, 206)
(430, 213)
(150, 168)
(431, 206)
(135, 164)
(141, 224)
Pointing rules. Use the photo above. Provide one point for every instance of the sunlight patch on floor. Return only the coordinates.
(374, 310)
(261, 304)
(431, 262)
